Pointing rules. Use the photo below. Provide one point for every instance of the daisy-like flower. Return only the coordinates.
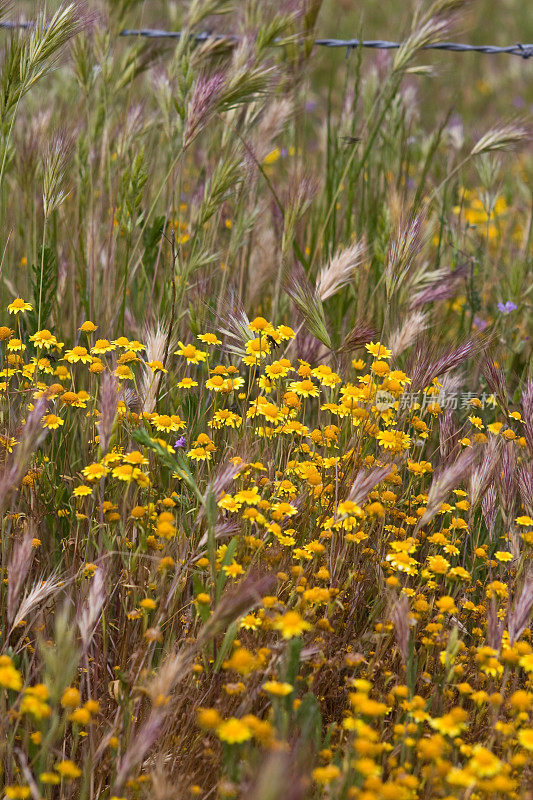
(127, 357)
(52, 422)
(260, 325)
(62, 373)
(124, 472)
(327, 774)
(248, 496)
(8, 443)
(97, 366)
(166, 423)
(282, 510)
(187, 383)
(93, 472)
(124, 373)
(278, 369)
(233, 384)
(102, 346)
(228, 503)
(483, 763)
(265, 384)
(15, 345)
(305, 388)
(291, 624)
(77, 354)
(44, 365)
(45, 339)
(82, 491)
(402, 562)
(136, 458)
(18, 306)
(73, 399)
(285, 332)
(68, 769)
(156, 366)
(326, 376)
(278, 688)
(190, 353)
(136, 346)
(378, 350)
(438, 565)
(225, 418)
(250, 623)
(234, 731)
(209, 338)
(88, 327)
(451, 724)
(268, 410)
(257, 349)
(233, 570)
(349, 507)
(215, 383)
(393, 440)
(526, 662)
(10, 677)
(525, 737)
(503, 555)
(199, 454)
(380, 368)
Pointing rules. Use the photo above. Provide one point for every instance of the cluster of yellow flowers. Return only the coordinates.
(392, 616)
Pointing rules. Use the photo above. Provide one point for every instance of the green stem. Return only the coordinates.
(42, 272)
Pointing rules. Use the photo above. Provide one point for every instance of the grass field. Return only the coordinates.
(266, 404)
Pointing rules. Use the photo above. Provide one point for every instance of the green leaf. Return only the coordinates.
(43, 291)
(293, 659)
(151, 240)
(228, 640)
(309, 720)
(226, 561)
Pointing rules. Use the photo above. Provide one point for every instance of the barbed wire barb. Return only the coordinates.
(524, 51)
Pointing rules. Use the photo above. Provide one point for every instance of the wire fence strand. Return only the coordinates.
(524, 51)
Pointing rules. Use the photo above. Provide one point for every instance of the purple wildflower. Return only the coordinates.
(480, 323)
(506, 308)
(180, 442)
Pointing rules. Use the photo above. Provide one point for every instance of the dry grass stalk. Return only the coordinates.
(520, 614)
(32, 436)
(18, 569)
(503, 137)
(91, 610)
(340, 270)
(426, 364)
(444, 482)
(108, 409)
(155, 339)
(35, 597)
(408, 332)
(400, 618)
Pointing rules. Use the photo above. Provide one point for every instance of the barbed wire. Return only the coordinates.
(522, 50)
